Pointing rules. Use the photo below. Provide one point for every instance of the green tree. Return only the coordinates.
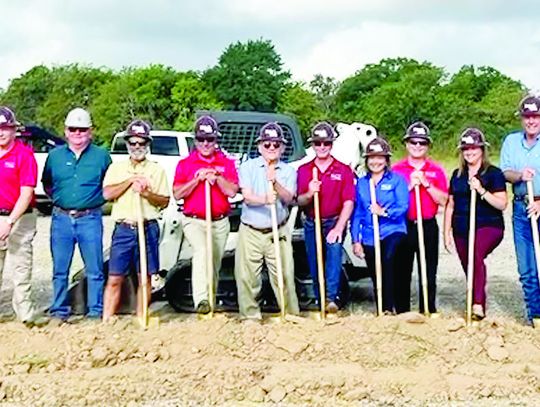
(248, 76)
(303, 105)
(28, 92)
(144, 93)
(324, 88)
(190, 94)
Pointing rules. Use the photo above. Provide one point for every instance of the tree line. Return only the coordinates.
(250, 76)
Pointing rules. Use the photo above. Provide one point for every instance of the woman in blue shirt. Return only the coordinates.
(392, 203)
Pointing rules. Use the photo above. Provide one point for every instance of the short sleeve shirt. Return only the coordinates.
(435, 175)
(125, 206)
(253, 176)
(486, 215)
(194, 204)
(18, 168)
(337, 186)
(76, 183)
(516, 155)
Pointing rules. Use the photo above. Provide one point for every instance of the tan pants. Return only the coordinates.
(195, 233)
(253, 249)
(16, 254)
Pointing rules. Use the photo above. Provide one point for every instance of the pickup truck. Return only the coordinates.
(167, 148)
(41, 142)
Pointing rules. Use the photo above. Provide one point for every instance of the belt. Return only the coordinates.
(429, 220)
(265, 230)
(214, 218)
(76, 213)
(133, 224)
(7, 212)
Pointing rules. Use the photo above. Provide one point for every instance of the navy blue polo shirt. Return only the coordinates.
(76, 183)
(492, 180)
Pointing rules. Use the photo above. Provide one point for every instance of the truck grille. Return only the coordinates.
(238, 139)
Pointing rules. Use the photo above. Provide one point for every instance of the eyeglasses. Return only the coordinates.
(275, 144)
(202, 139)
(137, 143)
(322, 143)
(78, 129)
(418, 142)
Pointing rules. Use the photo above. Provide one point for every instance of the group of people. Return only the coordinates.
(79, 177)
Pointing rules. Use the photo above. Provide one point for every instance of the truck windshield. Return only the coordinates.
(161, 145)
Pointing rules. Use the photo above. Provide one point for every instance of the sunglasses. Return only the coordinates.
(419, 143)
(79, 129)
(137, 143)
(322, 143)
(268, 144)
(202, 139)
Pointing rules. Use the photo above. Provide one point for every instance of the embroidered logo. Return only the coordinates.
(419, 130)
(467, 140)
(386, 187)
(271, 133)
(531, 107)
(321, 133)
(335, 177)
(205, 128)
(9, 164)
(138, 129)
(377, 148)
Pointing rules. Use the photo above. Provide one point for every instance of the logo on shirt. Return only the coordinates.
(335, 177)
(386, 187)
(9, 164)
(220, 169)
(431, 174)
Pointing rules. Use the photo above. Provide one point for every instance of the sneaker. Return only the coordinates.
(536, 322)
(478, 312)
(158, 282)
(203, 307)
(331, 307)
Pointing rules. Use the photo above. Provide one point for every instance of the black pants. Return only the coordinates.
(405, 258)
(389, 246)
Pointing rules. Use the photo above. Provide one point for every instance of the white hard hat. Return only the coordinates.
(78, 117)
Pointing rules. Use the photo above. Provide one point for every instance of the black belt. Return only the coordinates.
(76, 213)
(7, 212)
(265, 230)
(430, 220)
(133, 224)
(190, 215)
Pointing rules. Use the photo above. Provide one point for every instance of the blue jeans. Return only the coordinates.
(332, 257)
(87, 232)
(528, 275)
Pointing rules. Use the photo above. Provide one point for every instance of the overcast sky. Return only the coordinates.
(335, 38)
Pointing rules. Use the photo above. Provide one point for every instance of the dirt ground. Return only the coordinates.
(356, 359)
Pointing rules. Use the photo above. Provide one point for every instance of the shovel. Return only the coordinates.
(534, 227)
(318, 243)
(277, 251)
(209, 247)
(377, 238)
(421, 248)
(470, 256)
(145, 321)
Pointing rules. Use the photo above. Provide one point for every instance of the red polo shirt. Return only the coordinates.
(18, 168)
(337, 186)
(435, 175)
(194, 204)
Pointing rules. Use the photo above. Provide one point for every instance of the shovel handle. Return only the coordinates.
(142, 261)
(209, 245)
(318, 244)
(421, 248)
(377, 239)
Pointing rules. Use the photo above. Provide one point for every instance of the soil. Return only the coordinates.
(354, 359)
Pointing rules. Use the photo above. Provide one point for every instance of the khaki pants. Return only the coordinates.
(16, 254)
(253, 249)
(195, 233)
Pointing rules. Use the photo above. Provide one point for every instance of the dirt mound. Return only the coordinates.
(352, 360)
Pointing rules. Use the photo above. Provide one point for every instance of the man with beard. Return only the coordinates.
(124, 183)
(520, 163)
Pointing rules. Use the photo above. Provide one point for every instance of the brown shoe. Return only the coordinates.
(331, 307)
(478, 312)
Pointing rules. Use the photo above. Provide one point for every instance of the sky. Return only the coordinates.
(334, 38)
